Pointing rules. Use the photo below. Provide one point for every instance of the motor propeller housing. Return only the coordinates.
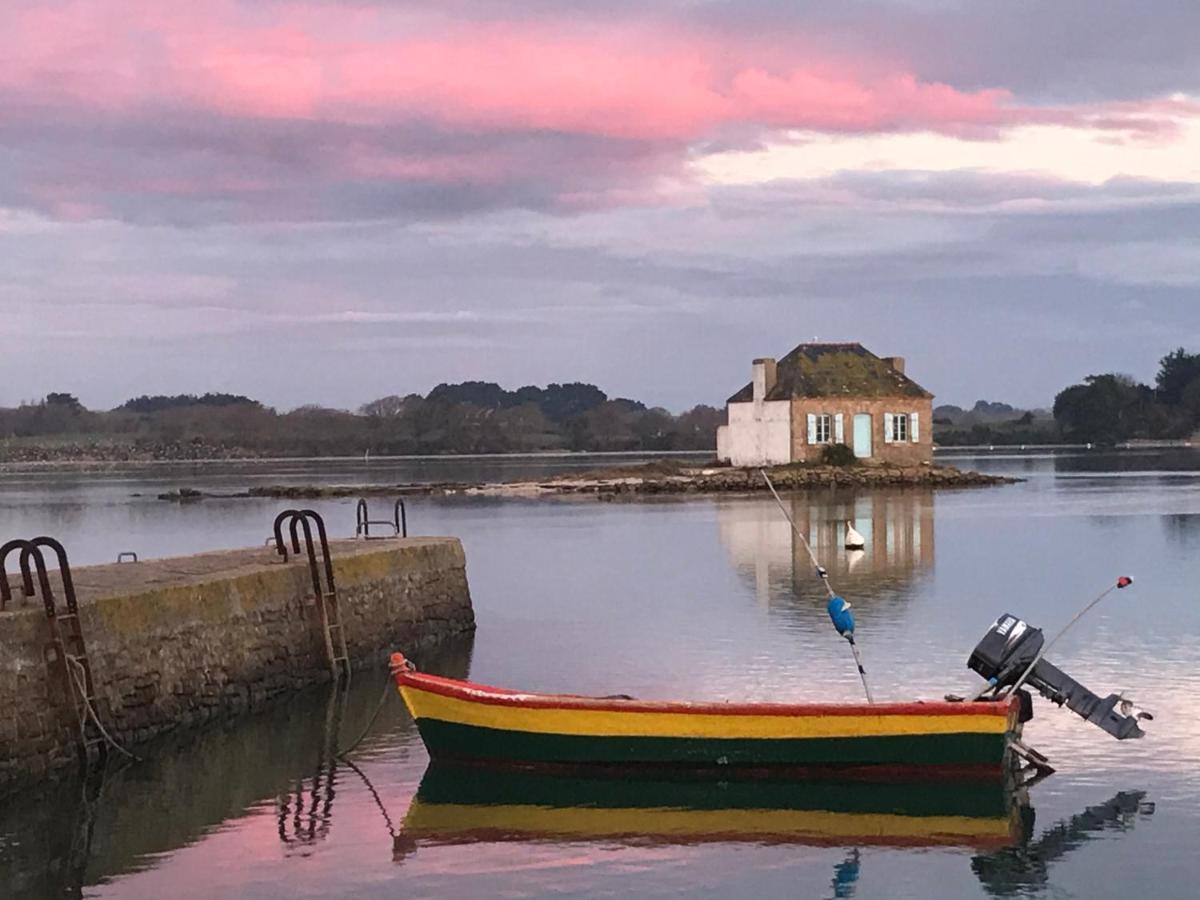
(1008, 649)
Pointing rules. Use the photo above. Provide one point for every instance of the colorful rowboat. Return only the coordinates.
(460, 720)
(461, 804)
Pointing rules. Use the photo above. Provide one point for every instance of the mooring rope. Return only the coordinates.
(375, 796)
(388, 687)
(91, 711)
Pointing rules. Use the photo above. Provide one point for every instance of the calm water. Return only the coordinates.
(696, 598)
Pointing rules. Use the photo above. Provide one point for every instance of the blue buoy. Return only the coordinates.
(839, 613)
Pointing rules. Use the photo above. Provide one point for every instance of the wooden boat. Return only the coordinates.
(460, 720)
(460, 804)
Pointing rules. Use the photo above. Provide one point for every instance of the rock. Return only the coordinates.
(183, 495)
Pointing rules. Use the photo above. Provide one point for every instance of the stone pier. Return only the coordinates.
(177, 642)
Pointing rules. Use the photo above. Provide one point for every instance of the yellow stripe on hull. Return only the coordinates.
(444, 820)
(616, 723)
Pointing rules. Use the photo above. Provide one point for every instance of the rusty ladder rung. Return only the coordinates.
(324, 591)
(65, 653)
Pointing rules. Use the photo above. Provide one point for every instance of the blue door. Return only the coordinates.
(862, 436)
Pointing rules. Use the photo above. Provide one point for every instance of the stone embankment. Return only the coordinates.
(651, 478)
(723, 479)
(177, 642)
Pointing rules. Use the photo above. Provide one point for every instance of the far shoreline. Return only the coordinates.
(85, 464)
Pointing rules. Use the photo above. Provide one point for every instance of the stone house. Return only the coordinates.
(823, 394)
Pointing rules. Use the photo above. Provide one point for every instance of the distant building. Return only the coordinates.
(823, 394)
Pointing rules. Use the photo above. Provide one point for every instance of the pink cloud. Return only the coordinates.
(313, 62)
(385, 71)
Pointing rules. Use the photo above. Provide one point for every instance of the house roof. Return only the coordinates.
(838, 370)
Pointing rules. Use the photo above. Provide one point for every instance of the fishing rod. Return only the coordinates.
(838, 607)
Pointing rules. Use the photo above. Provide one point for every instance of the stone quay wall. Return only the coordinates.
(177, 642)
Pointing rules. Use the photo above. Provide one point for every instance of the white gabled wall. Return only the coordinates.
(758, 434)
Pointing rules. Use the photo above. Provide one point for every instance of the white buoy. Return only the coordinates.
(854, 540)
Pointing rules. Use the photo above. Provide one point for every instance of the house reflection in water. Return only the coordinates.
(897, 526)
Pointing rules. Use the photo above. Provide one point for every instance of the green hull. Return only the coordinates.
(481, 786)
(447, 740)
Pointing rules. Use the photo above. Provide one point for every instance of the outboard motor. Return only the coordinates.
(1008, 649)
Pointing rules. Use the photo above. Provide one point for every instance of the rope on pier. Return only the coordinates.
(76, 666)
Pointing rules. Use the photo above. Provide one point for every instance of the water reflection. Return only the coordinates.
(301, 828)
(897, 525)
(1182, 528)
(1024, 868)
(463, 805)
(59, 839)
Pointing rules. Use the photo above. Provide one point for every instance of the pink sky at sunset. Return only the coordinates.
(128, 61)
(562, 132)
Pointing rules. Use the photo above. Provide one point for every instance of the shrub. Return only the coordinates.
(838, 455)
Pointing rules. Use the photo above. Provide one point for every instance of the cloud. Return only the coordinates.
(303, 111)
(644, 195)
(318, 62)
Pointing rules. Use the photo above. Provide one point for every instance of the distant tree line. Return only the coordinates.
(483, 417)
(1103, 409)
(471, 417)
(1111, 408)
(989, 423)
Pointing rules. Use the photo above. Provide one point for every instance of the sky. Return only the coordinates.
(328, 201)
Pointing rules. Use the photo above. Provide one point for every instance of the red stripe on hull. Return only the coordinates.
(479, 693)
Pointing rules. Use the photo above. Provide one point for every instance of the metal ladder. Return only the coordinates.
(65, 654)
(325, 596)
(398, 523)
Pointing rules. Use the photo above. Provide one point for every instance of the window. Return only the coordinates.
(901, 427)
(825, 428)
(824, 424)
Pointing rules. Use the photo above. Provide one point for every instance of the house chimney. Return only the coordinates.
(765, 373)
(896, 362)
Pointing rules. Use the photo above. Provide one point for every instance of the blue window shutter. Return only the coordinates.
(887, 428)
(812, 428)
(839, 429)
(914, 428)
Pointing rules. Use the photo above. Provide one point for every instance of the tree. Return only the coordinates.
(487, 394)
(1177, 370)
(390, 406)
(698, 427)
(565, 401)
(1105, 409)
(63, 400)
(159, 402)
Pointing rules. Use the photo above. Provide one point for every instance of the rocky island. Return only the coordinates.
(660, 477)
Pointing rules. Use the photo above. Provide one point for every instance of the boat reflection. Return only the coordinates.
(463, 804)
(897, 527)
(1024, 867)
(459, 804)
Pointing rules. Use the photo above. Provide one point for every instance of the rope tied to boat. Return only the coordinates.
(398, 663)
